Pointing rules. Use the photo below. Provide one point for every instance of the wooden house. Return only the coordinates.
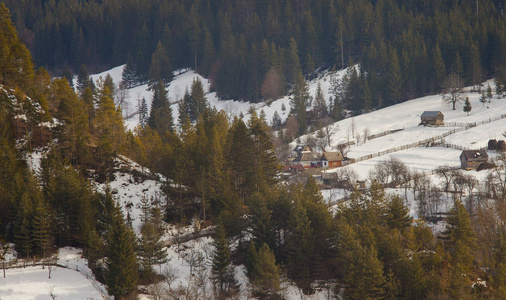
(331, 160)
(472, 159)
(306, 157)
(434, 118)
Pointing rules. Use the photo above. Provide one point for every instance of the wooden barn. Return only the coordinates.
(331, 160)
(472, 159)
(434, 118)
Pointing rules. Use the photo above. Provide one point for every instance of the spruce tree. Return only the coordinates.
(398, 214)
(300, 103)
(198, 103)
(222, 269)
(394, 78)
(160, 115)
(489, 92)
(121, 272)
(266, 273)
(320, 107)
(143, 113)
(129, 73)
(483, 98)
(467, 106)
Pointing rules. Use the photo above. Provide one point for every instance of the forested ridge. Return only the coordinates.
(405, 48)
(221, 172)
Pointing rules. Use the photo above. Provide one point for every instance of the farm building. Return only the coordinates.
(331, 160)
(472, 159)
(434, 118)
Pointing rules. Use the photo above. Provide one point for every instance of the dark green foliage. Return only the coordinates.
(398, 214)
(467, 106)
(300, 102)
(121, 272)
(160, 115)
(222, 269)
(265, 273)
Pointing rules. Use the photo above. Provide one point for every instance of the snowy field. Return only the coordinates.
(34, 283)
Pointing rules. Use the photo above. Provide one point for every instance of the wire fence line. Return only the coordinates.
(436, 141)
(19, 264)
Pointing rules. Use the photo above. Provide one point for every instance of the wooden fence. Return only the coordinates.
(18, 264)
(436, 141)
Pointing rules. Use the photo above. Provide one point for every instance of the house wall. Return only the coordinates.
(470, 165)
(335, 164)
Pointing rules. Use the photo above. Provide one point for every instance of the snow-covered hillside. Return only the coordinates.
(182, 82)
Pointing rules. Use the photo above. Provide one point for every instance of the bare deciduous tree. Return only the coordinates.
(271, 86)
(453, 90)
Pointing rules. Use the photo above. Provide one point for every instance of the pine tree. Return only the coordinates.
(467, 106)
(398, 214)
(499, 87)
(394, 78)
(483, 98)
(16, 67)
(460, 243)
(129, 73)
(22, 234)
(489, 92)
(266, 273)
(222, 269)
(292, 64)
(151, 248)
(143, 113)
(439, 66)
(121, 272)
(198, 104)
(42, 221)
(160, 67)
(160, 115)
(300, 102)
(320, 107)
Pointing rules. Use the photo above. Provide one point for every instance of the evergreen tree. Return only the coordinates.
(499, 87)
(143, 113)
(320, 107)
(265, 279)
(300, 103)
(16, 67)
(83, 79)
(184, 109)
(292, 65)
(198, 103)
(489, 92)
(222, 269)
(483, 98)
(460, 243)
(22, 234)
(151, 248)
(398, 214)
(121, 272)
(438, 67)
(467, 106)
(129, 73)
(42, 229)
(394, 78)
(160, 115)
(160, 67)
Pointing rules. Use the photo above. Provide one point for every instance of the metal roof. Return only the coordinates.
(430, 113)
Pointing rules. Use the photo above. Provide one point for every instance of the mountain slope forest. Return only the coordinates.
(223, 172)
(242, 45)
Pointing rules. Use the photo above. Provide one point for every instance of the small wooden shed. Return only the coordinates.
(434, 118)
(472, 159)
(332, 159)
